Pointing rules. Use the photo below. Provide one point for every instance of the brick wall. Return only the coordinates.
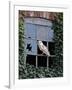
(40, 14)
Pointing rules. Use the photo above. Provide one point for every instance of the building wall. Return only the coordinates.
(40, 14)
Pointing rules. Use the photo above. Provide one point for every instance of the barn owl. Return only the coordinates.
(43, 48)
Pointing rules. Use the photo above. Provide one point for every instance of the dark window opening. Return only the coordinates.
(51, 46)
(45, 43)
(31, 59)
(42, 61)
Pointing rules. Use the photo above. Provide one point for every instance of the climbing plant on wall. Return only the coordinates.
(21, 36)
(21, 44)
(31, 71)
(58, 38)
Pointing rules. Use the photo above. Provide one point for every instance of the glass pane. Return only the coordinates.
(42, 33)
(30, 31)
(31, 46)
(50, 34)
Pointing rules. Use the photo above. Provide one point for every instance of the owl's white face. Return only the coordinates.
(40, 42)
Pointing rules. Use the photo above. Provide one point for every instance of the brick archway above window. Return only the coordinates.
(40, 14)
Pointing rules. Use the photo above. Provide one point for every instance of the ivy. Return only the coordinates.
(21, 36)
(58, 39)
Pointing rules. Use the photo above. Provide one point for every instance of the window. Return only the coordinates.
(33, 33)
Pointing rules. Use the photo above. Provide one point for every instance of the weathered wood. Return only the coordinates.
(47, 58)
(36, 62)
(45, 55)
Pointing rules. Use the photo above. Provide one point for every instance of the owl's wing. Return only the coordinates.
(45, 50)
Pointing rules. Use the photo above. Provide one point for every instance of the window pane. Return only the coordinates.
(30, 31)
(31, 46)
(51, 48)
(42, 61)
(41, 33)
(44, 33)
(50, 34)
(31, 59)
